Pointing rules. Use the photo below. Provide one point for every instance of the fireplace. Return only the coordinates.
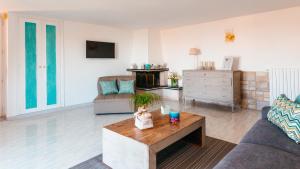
(149, 79)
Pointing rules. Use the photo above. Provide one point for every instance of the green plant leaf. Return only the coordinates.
(145, 99)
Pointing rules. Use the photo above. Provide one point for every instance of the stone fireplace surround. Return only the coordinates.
(255, 90)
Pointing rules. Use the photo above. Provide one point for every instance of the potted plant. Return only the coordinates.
(143, 119)
(174, 77)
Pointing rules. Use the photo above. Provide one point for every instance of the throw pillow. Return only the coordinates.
(126, 87)
(297, 100)
(108, 87)
(285, 114)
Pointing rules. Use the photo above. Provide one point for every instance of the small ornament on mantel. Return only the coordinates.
(134, 66)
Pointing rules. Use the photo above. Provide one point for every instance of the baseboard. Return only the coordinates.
(114, 113)
(54, 110)
(76, 106)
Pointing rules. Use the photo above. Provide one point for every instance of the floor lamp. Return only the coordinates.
(195, 52)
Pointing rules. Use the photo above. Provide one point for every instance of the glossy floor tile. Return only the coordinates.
(62, 139)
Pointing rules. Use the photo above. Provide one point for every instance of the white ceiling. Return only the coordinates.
(143, 13)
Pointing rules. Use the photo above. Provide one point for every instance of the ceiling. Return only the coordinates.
(143, 13)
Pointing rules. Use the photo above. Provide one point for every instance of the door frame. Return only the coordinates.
(3, 64)
(1, 67)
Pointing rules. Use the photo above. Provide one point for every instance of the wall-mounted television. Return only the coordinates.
(100, 49)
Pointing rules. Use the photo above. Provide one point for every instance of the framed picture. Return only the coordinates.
(227, 63)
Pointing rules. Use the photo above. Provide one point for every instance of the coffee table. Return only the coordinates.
(127, 147)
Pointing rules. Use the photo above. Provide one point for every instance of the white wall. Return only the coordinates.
(262, 41)
(155, 53)
(12, 64)
(4, 64)
(146, 47)
(81, 74)
(140, 50)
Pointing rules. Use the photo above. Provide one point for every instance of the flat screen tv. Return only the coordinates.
(100, 49)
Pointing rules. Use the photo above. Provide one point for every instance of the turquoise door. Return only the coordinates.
(51, 64)
(30, 65)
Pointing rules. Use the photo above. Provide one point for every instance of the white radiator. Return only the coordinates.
(284, 81)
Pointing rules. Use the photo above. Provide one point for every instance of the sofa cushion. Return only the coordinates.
(252, 156)
(108, 87)
(265, 133)
(126, 87)
(286, 115)
(111, 97)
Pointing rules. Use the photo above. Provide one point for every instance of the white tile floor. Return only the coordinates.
(62, 139)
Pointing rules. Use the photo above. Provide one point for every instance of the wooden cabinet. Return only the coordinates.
(218, 87)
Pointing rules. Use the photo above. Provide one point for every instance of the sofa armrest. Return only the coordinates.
(264, 112)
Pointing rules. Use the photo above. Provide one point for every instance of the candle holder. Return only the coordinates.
(174, 117)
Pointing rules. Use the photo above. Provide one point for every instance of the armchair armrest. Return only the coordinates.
(264, 112)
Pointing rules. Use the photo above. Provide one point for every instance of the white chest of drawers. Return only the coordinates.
(218, 87)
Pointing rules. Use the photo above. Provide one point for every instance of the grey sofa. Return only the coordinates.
(114, 103)
(265, 146)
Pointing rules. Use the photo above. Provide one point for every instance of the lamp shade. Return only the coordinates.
(194, 51)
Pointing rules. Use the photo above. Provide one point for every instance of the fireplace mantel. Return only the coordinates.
(149, 70)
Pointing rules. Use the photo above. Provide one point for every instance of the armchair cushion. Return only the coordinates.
(108, 87)
(126, 87)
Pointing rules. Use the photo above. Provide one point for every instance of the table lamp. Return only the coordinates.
(195, 52)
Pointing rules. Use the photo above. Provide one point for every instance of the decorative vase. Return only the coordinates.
(143, 119)
(174, 82)
(165, 109)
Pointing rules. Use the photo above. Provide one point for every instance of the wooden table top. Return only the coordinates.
(161, 130)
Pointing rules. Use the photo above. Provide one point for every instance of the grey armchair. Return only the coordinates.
(114, 103)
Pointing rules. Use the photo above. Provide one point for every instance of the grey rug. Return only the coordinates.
(181, 155)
